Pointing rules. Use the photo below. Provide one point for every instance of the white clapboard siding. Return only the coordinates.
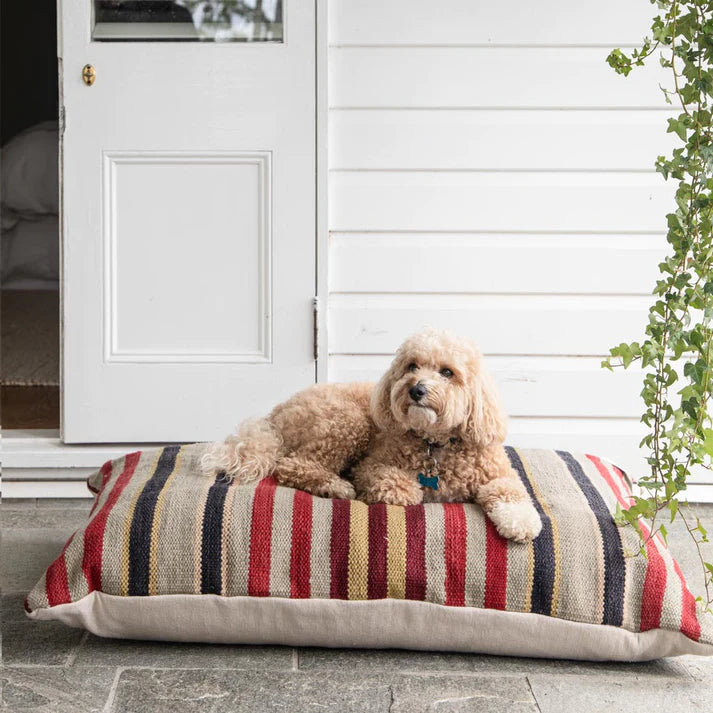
(491, 174)
(535, 386)
(498, 202)
(467, 263)
(610, 23)
(499, 324)
(517, 77)
(497, 139)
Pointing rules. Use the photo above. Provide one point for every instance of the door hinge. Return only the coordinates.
(62, 119)
(316, 315)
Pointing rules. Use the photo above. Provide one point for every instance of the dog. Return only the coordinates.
(431, 430)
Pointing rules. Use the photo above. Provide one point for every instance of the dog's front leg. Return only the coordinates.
(379, 483)
(506, 502)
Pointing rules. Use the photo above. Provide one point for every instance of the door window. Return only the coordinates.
(187, 20)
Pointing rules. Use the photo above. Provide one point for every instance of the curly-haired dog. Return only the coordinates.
(431, 430)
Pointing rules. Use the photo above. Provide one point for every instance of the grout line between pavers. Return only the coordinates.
(532, 693)
(112, 691)
(73, 653)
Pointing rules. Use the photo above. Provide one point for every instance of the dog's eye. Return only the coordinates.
(413, 366)
(445, 371)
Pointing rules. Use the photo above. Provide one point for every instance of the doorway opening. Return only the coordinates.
(29, 195)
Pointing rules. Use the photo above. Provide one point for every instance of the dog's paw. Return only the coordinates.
(338, 488)
(518, 521)
(394, 494)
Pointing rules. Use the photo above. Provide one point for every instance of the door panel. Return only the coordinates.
(188, 230)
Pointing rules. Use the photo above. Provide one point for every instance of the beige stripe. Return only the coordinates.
(281, 542)
(672, 608)
(435, 554)
(321, 552)
(227, 526)
(474, 555)
(141, 476)
(358, 550)
(636, 566)
(74, 556)
(156, 525)
(581, 550)
(557, 579)
(396, 552)
(237, 541)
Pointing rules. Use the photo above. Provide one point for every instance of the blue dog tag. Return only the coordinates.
(426, 482)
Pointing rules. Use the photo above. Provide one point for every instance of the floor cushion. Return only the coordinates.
(170, 554)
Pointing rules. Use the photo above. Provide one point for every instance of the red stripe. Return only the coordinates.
(455, 529)
(655, 577)
(56, 580)
(496, 567)
(415, 552)
(604, 472)
(654, 586)
(94, 533)
(261, 538)
(376, 584)
(690, 626)
(106, 474)
(339, 588)
(301, 545)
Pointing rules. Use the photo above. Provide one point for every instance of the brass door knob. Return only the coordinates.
(89, 74)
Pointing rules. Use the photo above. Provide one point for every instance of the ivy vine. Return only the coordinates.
(677, 352)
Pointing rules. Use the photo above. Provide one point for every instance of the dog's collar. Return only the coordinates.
(433, 445)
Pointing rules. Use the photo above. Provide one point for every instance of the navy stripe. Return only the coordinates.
(614, 564)
(140, 533)
(543, 547)
(211, 542)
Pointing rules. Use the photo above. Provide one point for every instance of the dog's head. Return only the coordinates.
(438, 387)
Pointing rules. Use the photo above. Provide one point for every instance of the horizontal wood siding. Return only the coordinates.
(489, 173)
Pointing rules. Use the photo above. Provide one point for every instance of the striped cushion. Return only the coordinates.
(166, 539)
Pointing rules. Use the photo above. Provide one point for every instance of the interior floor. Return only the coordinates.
(48, 666)
(29, 367)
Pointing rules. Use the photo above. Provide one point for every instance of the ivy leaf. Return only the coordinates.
(678, 127)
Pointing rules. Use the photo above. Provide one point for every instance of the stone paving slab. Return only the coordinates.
(583, 694)
(451, 694)
(45, 643)
(26, 554)
(191, 691)
(55, 690)
(319, 659)
(97, 651)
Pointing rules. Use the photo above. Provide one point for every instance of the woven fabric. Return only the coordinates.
(158, 527)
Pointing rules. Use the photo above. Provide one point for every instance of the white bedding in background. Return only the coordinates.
(30, 203)
(29, 172)
(30, 252)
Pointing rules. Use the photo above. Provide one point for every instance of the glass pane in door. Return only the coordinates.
(187, 20)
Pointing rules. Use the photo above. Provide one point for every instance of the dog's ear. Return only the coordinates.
(381, 401)
(486, 422)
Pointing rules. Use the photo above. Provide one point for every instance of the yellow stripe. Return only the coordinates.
(358, 550)
(127, 527)
(156, 524)
(556, 580)
(396, 552)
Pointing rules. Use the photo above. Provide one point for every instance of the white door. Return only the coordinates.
(188, 214)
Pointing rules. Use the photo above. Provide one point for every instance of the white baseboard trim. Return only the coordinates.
(37, 464)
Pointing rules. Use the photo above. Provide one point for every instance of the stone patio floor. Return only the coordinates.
(49, 667)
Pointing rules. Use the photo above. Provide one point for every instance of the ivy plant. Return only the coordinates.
(676, 354)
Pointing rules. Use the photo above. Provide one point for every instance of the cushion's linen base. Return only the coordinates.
(383, 623)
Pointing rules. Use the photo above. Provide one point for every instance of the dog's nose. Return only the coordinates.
(417, 391)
